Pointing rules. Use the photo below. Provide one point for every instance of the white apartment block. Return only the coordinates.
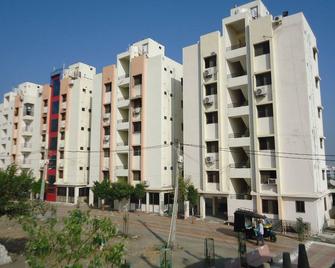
(21, 127)
(252, 113)
(140, 121)
(65, 132)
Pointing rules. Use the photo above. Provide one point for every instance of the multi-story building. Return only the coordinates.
(21, 127)
(65, 132)
(253, 131)
(140, 121)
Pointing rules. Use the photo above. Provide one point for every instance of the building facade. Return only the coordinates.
(253, 131)
(140, 120)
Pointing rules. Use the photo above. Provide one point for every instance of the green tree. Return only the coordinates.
(102, 190)
(78, 240)
(193, 197)
(183, 185)
(139, 193)
(121, 190)
(36, 187)
(15, 189)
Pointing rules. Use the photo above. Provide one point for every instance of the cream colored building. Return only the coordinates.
(140, 121)
(253, 128)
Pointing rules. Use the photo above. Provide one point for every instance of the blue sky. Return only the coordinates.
(38, 35)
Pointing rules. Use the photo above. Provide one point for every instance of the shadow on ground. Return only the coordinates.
(14, 245)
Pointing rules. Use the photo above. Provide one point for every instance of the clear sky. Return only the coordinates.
(37, 35)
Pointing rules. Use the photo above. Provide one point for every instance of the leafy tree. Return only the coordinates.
(78, 240)
(15, 188)
(193, 197)
(36, 186)
(182, 189)
(139, 193)
(102, 190)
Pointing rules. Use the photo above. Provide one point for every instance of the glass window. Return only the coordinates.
(107, 108)
(54, 124)
(212, 118)
(51, 179)
(212, 147)
(210, 61)
(108, 87)
(262, 48)
(263, 79)
(136, 175)
(136, 127)
(265, 110)
(55, 107)
(154, 198)
(211, 89)
(53, 143)
(137, 150)
(56, 87)
(107, 131)
(213, 177)
(266, 143)
(300, 206)
(106, 152)
(270, 206)
(268, 176)
(137, 79)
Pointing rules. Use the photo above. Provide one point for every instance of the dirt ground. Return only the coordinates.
(147, 233)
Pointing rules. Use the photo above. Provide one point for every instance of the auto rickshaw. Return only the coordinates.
(246, 221)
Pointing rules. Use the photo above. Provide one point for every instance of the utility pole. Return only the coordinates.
(172, 234)
(45, 170)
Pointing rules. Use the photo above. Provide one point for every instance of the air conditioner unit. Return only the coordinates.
(106, 139)
(278, 20)
(137, 110)
(208, 100)
(209, 73)
(260, 91)
(272, 181)
(209, 159)
(146, 183)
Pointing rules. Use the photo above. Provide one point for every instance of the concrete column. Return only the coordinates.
(147, 202)
(90, 197)
(67, 195)
(161, 203)
(213, 206)
(186, 209)
(76, 195)
(202, 207)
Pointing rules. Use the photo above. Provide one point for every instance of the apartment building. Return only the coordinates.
(65, 132)
(253, 131)
(140, 121)
(21, 127)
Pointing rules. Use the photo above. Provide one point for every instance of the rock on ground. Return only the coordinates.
(4, 258)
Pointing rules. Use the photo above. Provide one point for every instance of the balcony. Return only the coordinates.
(27, 131)
(210, 75)
(236, 51)
(121, 171)
(236, 80)
(238, 109)
(122, 147)
(26, 146)
(122, 124)
(137, 91)
(239, 139)
(123, 80)
(239, 170)
(28, 117)
(123, 102)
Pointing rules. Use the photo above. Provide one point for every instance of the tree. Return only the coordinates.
(36, 187)
(193, 197)
(139, 193)
(183, 189)
(15, 188)
(102, 190)
(78, 240)
(121, 190)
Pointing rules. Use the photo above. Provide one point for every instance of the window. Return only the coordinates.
(212, 118)
(61, 154)
(84, 90)
(83, 109)
(107, 131)
(263, 79)
(64, 97)
(105, 174)
(137, 79)
(211, 89)
(82, 128)
(14, 141)
(153, 198)
(108, 87)
(266, 143)
(82, 148)
(210, 61)
(106, 152)
(62, 135)
(16, 112)
(63, 116)
(137, 150)
(315, 53)
(136, 175)
(137, 103)
(213, 177)
(51, 179)
(212, 147)
(265, 110)
(55, 107)
(270, 206)
(45, 103)
(319, 112)
(54, 124)
(80, 168)
(15, 125)
(321, 143)
(323, 174)
(53, 143)
(268, 176)
(56, 87)
(262, 48)
(43, 137)
(300, 206)
(44, 119)
(325, 203)
(28, 109)
(136, 127)
(317, 81)
(107, 108)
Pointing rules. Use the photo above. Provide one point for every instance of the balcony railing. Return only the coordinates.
(123, 76)
(123, 120)
(241, 196)
(238, 104)
(233, 75)
(26, 145)
(240, 165)
(26, 162)
(244, 134)
(27, 129)
(122, 144)
(236, 46)
(121, 167)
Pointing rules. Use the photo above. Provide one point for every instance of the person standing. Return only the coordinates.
(260, 232)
